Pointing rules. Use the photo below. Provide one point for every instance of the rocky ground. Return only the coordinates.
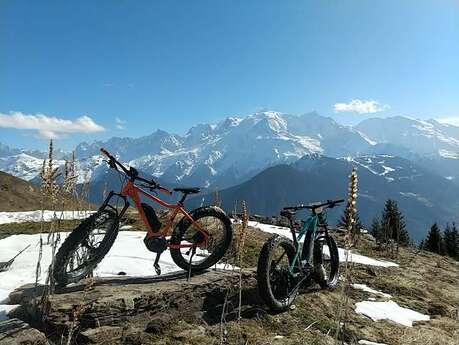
(173, 309)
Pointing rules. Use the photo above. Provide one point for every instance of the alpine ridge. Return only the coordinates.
(237, 148)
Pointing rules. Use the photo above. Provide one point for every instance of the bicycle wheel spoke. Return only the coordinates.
(86, 250)
(279, 274)
(196, 235)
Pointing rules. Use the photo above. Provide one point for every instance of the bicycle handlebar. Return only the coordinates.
(133, 173)
(328, 204)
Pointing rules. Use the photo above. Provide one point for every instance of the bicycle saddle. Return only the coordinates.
(190, 190)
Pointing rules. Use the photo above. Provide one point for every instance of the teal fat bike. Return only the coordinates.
(285, 265)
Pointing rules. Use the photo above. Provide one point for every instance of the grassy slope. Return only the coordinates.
(424, 282)
(20, 195)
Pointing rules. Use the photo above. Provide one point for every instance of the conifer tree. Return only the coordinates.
(393, 224)
(376, 230)
(421, 245)
(451, 241)
(433, 242)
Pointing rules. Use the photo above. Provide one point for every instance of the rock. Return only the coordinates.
(100, 335)
(371, 271)
(145, 306)
(159, 323)
(17, 332)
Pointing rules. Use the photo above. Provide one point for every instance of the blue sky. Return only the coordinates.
(173, 64)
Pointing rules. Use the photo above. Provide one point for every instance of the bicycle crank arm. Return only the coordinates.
(156, 264)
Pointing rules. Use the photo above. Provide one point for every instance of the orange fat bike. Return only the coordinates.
(199, 238)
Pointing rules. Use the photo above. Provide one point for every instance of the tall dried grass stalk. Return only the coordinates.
(217, 198)
(343, 305)
(240, 251)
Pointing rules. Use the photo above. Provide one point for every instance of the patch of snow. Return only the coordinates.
(389, 310)
(5, 309)
(126, 227)
(366, 288)
(367, 342)
(366, 138)
(386, 170)
(280, 230)
(351, 257)
(448, 154)
(36, 216)
(128, 254)
(418, 197)
(362, 259)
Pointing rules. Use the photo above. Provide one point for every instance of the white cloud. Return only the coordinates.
(360, 106)
(49, 127)
(120, 124)
(449, 120)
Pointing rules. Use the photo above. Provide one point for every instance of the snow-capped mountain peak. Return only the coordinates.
(238, 147)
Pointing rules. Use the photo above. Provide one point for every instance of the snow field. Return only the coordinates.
(36, 216)
(128, 255)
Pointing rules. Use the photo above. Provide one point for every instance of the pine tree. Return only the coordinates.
(376, 230)
(451, 241)
(421, 245)
(393, 224)
(403, 236)
(433, 242)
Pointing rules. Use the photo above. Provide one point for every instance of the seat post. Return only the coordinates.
(182, 200)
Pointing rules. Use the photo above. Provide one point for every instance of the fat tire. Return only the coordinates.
(182, 226)
(332, 280)
(263, 268)
(74, 239)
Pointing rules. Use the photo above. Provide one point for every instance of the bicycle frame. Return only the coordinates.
(310, 226)
(130, 190)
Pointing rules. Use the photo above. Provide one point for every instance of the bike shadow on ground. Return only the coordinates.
(225, 305)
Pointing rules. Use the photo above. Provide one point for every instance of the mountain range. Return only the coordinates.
(423, 197)
(237, 150)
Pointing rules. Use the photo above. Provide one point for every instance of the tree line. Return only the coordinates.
(389, 231)
(444, 242)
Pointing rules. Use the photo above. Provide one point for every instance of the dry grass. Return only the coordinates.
(425, 282)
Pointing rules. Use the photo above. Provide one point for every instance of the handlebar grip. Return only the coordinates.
(105, 152)
(290, 208)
